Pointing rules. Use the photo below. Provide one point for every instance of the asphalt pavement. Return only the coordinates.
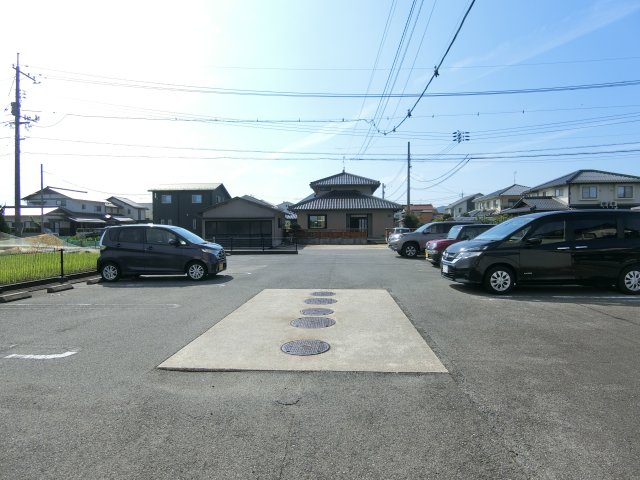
(540, 384)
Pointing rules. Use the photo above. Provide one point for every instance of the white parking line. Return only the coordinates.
(89, 305)
(40, 357)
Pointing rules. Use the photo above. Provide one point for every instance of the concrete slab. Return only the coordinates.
(371, 334)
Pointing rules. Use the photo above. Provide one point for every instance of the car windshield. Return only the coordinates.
(453, 233)
(504, 229)
(189, 236)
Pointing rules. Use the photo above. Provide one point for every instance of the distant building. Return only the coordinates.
(343, 204)
(462, 207)
(181, 204)
(495, 202)
(591, 189)
(243, 222)
(68, 212)
(425, 212)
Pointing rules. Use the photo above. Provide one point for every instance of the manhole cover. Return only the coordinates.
(316, 311)
(313, 322)
(323, 294)
(320, 301)
(305, 347)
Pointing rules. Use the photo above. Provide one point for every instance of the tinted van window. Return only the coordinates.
(632, 226)
(549, 232)
(594, 229)
(130, 235)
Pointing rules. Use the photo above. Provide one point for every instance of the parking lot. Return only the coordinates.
(542, 383)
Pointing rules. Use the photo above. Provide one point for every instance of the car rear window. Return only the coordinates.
(129, 235)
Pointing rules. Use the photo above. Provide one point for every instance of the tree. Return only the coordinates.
(4, 227)
(411, 220)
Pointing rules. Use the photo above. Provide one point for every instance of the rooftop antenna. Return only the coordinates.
(514, 177)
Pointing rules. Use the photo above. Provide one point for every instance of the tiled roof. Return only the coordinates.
(174, 187)
(512, 190)
(464, 199)
(536, 204)
(345, 200)
(344, 179)
(68, 193)
(127, 201)
(588, 176)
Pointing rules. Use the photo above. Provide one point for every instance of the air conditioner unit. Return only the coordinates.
(613, 204)
(604, 204)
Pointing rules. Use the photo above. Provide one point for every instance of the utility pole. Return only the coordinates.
(408, 177)
(15, 111)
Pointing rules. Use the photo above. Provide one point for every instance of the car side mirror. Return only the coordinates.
(174, 242)
(533, 241)
(465, 237)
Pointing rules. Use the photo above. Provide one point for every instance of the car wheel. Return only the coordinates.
(410, 250)
(110, 272)
(196, 271)
(499, 280)
(629, 281)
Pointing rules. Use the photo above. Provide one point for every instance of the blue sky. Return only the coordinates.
(266, 97)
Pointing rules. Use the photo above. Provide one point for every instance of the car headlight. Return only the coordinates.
(468, 254)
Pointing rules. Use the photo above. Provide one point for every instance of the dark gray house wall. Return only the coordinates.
(182, 205)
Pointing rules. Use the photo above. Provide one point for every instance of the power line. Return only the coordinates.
(435, 73)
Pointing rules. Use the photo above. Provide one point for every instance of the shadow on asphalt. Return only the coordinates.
(556, 294)
(163, 281)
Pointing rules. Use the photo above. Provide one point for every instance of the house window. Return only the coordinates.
(218, 199)
(98, 208)
(317, 221)
(62, 203)
(195, 224)
(169, 221)
(128, 211)
(84, 207)
(196, 199)
(589, 192)
(558, 192)
(624, 191)
(165, 199)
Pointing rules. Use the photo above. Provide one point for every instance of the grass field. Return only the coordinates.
(25, 267)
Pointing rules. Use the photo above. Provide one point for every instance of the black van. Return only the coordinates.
(566, 247)
(157, 250)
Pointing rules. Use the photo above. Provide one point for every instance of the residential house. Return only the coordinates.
(68, 212)
(289, 215)
(425, 213)
(591, 189)
(181, 204)
(462, 207)
(243, 222)
(535, 204)
(344, 204)
(130, 209)
(494, 203)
